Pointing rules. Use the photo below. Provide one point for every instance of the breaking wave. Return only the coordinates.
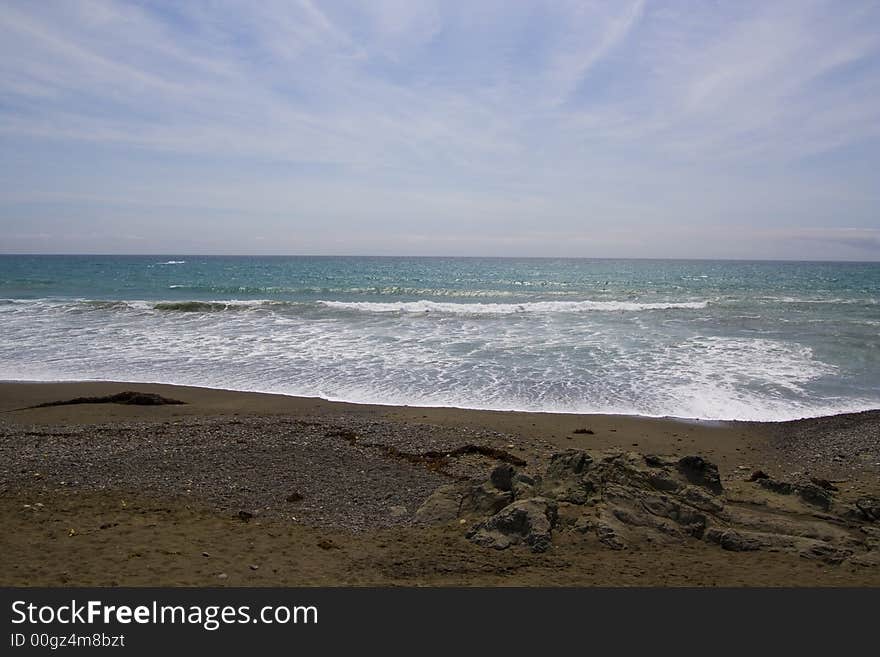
(509, 308)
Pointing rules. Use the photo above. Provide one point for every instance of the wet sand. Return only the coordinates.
(236, 488)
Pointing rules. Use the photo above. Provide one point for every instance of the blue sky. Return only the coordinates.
(596, 129)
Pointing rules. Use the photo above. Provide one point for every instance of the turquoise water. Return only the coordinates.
(706, 339)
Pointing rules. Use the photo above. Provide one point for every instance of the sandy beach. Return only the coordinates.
(249, 489)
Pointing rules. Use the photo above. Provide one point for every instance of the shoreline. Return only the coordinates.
(449, 407)
(791, 446)
(314, 492)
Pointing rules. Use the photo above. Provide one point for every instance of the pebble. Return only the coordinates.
(282, 458)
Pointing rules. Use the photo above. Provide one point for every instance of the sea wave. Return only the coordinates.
(834, 300)
(604, 362)
(407, 307)
(93, 305)
(425, 306)
(214, 306)
(377, 291)
(105, 305)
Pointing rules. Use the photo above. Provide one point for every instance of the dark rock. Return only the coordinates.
(637, 518)
(443, 505)
(872, 538)
(626, 497)
(815, 495)
(664, 481)
(656, 461)
(567, 463)
(523, 486)
(502, 476)
(661, 509)
(564, 480)
(732, 540)
(700, 472)
(693, 522)
(823, 483)
(127, 397)
(758, 474)
(245, 516)
(661, 505)
(484, 499)
(775, 486)
(608, 535)
(572, 491)
(584, 431)
(294, 497)
(825, 552)
(870, 559)
(700, 499)
(524, 521)
(809, 493)
(870, 507)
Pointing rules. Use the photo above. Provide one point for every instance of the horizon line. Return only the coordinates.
(462, 257)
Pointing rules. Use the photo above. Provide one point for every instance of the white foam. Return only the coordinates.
(742, 378)
(802, 300)
(599, 363)
(509, 308)
(172, 262)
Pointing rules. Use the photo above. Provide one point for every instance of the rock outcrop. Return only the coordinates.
(524, 521)
(623, 498)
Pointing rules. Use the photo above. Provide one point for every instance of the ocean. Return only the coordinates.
(692, 339)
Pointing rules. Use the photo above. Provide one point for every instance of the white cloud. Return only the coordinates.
(571, 115)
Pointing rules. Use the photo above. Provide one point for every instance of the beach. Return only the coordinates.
(250, 489)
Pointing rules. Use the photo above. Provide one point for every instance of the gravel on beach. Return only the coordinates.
(834, 446)
(347, 473)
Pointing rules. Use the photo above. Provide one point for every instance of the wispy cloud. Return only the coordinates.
(577, 115)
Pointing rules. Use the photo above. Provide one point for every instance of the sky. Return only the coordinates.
(702, 129)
